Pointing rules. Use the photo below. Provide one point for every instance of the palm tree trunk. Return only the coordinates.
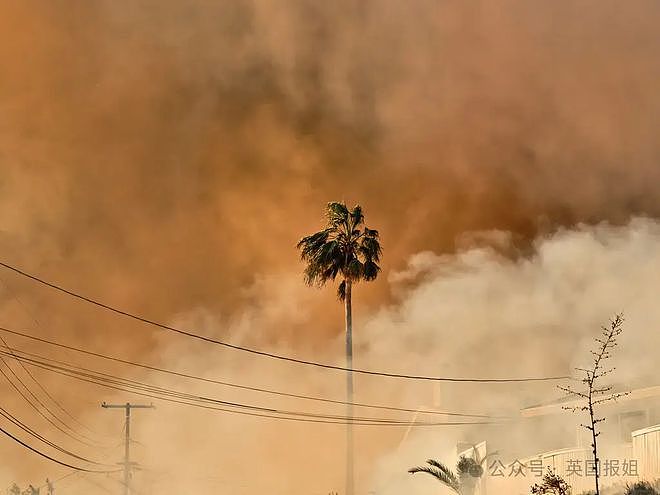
(349, 390)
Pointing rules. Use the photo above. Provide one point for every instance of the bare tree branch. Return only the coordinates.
(594, 395)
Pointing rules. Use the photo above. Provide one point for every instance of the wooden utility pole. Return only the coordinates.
(127, 439)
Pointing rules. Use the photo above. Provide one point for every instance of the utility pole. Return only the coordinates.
(127, 439)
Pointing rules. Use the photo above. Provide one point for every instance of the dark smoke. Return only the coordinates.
(166, 156)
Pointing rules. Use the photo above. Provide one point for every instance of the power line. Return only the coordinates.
(33, 405)
(46, 456)
(61, 478)
(257, 352)
(73, 433)
(13, 419)
(16, 298)
(242, 387)
(286, 418)
(161, 392)
(168, 395)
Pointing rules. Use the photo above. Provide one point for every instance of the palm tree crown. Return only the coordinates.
(345, 247)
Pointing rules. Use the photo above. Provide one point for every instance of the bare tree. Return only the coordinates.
(593, 393)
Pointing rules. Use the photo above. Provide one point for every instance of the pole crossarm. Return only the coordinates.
(128, 465)
(127, 405)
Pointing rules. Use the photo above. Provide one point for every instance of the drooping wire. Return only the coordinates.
(238, 386)
(16, 298)
(159, 393)
(14, 420)
(46, 456)
(77, 371)
(257, 352)
(33, 405)
(61, 478)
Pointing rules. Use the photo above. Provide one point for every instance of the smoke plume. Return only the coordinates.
(166, 156)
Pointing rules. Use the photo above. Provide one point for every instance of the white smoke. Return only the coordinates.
(473, 314)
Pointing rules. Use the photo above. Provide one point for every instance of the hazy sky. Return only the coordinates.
(166, 156)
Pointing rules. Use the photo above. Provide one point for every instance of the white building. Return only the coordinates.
(548, 436)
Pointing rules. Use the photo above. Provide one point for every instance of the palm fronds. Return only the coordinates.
(440, 472)
(345, 247)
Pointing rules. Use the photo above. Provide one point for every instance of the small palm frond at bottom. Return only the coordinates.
(440, 472)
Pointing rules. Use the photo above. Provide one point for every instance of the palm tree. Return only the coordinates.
(469, 471)
(348, 249)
